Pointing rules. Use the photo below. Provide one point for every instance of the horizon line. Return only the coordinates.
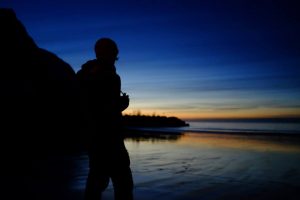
(274, 118)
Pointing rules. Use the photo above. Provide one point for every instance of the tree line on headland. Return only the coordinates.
(152, 121)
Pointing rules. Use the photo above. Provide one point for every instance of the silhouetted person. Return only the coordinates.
(108, 157)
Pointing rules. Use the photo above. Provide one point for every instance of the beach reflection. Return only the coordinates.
(210, 166)
(154, 137)
(253, 142)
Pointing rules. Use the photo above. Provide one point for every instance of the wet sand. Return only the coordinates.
(187, 166)
(207, 166)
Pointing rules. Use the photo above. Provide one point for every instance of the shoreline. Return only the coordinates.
(199, 165)
(140, 131)
(215, 166)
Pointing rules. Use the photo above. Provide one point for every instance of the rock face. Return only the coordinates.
(39, 115)
(37, 91)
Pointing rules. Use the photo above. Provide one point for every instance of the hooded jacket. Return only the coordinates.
(100, 88)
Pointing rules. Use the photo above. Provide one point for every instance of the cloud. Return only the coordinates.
(244, 84)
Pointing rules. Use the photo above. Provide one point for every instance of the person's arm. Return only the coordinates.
(124, 101)
(123, 98)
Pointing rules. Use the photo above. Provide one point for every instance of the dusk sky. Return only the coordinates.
(184, 58)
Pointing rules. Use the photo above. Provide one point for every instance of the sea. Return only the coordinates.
(238, 126)
(206, 161)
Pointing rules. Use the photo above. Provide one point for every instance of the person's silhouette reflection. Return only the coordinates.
(108, 157)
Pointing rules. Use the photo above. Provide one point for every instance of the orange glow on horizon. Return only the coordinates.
(186, 115)
(255, 143)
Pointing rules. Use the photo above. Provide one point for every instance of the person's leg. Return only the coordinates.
(121, 175)
(95, 185)
(98, 178)
(123, 184)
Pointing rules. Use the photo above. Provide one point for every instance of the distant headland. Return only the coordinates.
(152, 121)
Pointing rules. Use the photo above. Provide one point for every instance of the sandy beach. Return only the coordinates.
(194, 166)
(178, 166)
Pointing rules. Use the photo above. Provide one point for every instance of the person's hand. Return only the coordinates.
(124, 101)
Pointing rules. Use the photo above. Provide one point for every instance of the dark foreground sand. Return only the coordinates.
(193, 166)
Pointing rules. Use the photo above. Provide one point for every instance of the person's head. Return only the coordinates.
(106, 50)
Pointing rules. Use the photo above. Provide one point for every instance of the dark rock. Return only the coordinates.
(37, 91)
(40, 116)
(152, 121)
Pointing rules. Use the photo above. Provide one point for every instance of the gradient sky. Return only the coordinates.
(184, 58)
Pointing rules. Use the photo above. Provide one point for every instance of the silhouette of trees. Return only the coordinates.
(139, 120)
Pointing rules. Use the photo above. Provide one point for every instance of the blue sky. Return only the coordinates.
(185, 58)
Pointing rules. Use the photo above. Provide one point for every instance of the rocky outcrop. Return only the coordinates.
(152, 121)
(37, 92)
(40, 116)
